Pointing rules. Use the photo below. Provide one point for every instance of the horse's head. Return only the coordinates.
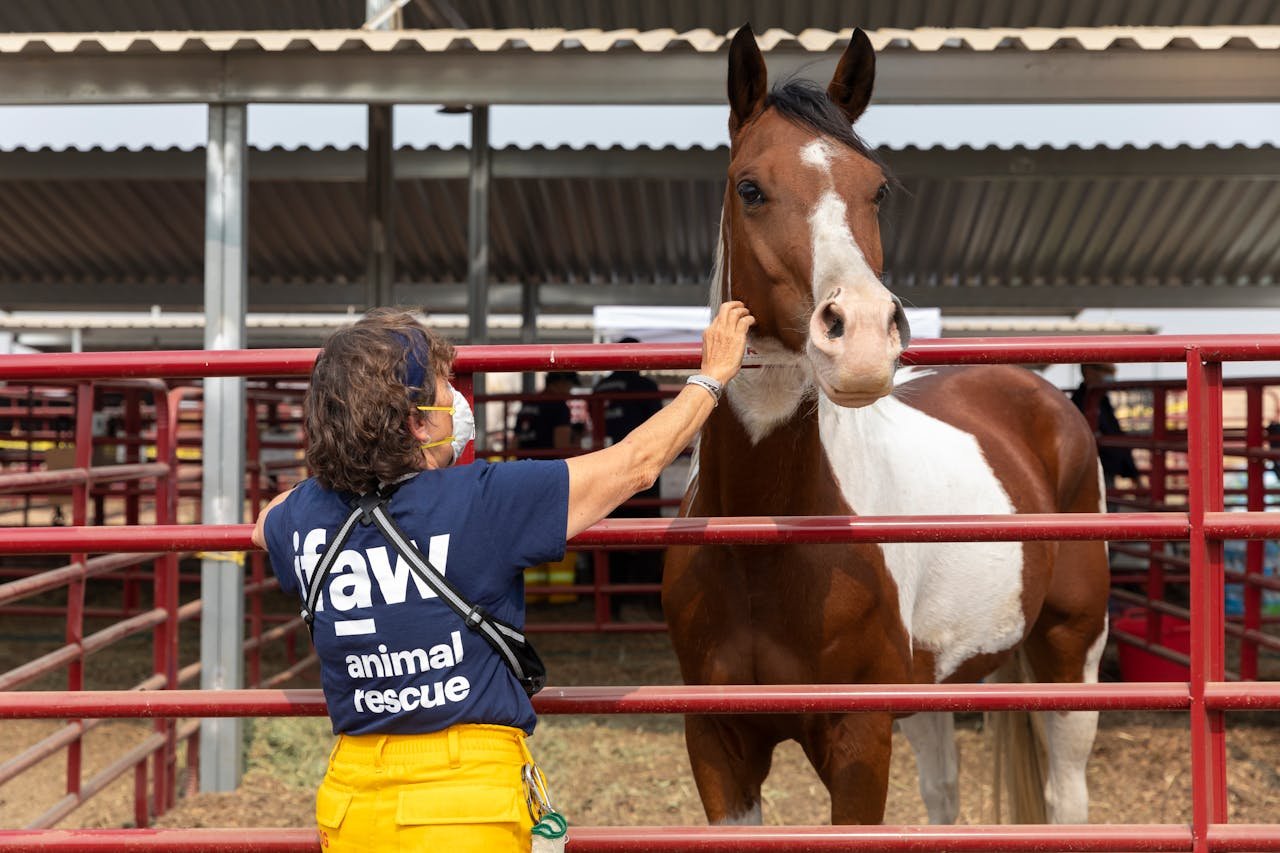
(801, 231)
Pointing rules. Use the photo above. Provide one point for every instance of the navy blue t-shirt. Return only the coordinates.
(394, 658)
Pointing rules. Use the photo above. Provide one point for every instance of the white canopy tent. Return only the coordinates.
(667, 324)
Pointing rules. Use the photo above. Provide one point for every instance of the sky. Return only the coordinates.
(895, 126)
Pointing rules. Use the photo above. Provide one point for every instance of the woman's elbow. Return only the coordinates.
(644, 469)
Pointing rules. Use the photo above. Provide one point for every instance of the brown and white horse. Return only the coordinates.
(832, 428)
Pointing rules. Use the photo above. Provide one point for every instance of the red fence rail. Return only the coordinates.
(149, 423)
(1206, 695)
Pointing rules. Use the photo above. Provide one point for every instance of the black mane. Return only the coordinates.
(805, 103)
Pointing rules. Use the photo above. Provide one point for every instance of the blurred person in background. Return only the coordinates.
(620, 418)
(1116, 461)
(546, 424)
(543, 424)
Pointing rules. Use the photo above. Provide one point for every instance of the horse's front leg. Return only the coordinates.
(851, 754)
(730, 762)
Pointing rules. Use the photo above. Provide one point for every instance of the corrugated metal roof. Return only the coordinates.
(649, 41)
(1143, 65)
(720, 15)
(798, 14)
(984, 228)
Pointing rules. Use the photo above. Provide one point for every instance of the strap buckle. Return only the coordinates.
(475, 617)
(367, 503)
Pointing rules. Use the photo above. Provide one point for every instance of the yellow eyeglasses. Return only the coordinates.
(447, 439)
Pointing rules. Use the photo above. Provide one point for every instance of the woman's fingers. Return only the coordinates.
(724, 342)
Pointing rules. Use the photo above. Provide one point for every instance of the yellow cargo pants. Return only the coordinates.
(448, 792)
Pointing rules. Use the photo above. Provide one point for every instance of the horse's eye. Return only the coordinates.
(882, 193)
(750, 194)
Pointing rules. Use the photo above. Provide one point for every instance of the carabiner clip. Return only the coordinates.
(536, 795)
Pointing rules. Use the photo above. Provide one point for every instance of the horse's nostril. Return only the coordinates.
(834, 322)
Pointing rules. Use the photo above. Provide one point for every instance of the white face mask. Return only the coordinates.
(464, 424)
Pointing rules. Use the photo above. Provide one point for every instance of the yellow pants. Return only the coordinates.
(448, 792)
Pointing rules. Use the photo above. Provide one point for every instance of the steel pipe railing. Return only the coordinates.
(1140, 838)
(660, 532)
(726, 699)
(186, 364)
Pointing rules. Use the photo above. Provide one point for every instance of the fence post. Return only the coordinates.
(75, 590)
(1204, 463)
(1156, 481)
(1254, 549)
(257, 559)
(164, 579)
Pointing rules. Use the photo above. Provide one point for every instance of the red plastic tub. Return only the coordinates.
(1138, 664)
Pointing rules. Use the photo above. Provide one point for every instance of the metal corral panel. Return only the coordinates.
(719, 15)
(983, 229)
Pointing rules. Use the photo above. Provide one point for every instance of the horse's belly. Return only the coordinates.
(958, 600)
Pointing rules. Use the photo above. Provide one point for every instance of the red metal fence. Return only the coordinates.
(1208, 696)
(111, 471)
(1164, 441)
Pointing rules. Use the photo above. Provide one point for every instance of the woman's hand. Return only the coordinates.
(724, 343)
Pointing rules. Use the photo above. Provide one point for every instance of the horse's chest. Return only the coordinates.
(958, 600)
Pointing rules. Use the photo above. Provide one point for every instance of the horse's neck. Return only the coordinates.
(777, 425)
(766, 398)
(745, 468)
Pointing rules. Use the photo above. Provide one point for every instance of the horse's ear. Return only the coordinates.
(855, 76)
(748, 78)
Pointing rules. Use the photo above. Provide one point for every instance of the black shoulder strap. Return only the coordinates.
(371, 509)
(494, 631)
(327, 559)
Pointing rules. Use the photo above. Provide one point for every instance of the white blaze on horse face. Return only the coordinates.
(850, 346)
(837, 259)
(957, 600)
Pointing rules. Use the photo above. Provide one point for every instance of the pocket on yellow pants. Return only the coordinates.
(462, 817)
(331, 806)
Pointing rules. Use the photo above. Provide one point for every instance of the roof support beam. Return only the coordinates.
(226, 286)
(379, 195)
(364, 76)
(528, 327)
(558, 298)
(479, 179)
(659, 164)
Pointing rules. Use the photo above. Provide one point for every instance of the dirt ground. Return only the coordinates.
(627, 769)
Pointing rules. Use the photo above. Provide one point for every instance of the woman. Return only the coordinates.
(431, 721)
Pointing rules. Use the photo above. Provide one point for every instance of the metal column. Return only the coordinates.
(221, 576)
(528, 327)
(379, 191)
(478, 246)
(379, 183)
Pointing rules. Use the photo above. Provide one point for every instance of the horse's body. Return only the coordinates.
(980, 440)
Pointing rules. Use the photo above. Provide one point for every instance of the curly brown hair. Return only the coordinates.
(356, 412)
